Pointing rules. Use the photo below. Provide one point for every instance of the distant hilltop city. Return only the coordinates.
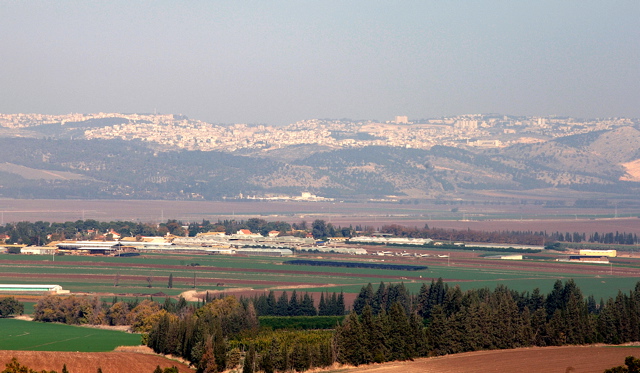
(180, 132)
(169, 156)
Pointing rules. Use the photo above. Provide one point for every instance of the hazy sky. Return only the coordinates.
(277, 62)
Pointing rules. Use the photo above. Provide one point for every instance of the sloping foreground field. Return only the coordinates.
(568, 359)
(36, 336)
(89, 362)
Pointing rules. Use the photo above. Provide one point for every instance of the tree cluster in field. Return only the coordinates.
(10, 306)
(330, 263)
(509, 237)
(202, 335)
(75, 310)
(15, 367)
(468, 235)
(267, 304)
(451, 246)
(618, 238)
(41, 233)
(319, 228)
(632, 366)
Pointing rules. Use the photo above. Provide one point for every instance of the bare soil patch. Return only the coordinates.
(89, 362)
(633, 171)
(571, 359)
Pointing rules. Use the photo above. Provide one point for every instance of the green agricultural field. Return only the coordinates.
(97, 274)
(36, 336)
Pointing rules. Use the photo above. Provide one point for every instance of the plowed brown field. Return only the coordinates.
(89, 362)
(587, 359)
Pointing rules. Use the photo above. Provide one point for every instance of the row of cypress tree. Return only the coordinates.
(330, 304)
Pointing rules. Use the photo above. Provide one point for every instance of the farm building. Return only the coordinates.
(38, 250)
(220, 251)
(390, 240)
(507, 257)
(585, 259)
(607, 253)
(102, 245)
(338, 250)
(504, 246)
(264, 252)
(12, 288)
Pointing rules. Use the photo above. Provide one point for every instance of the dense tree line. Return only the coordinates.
(482, 319)
(201, 335)
(387, 336)
(40, 232)
(75, 310)
(509, 237)
(603, 238)
(269, 305)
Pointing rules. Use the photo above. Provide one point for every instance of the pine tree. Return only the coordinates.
(170, 284)
(322, 307)
(307, 307)
(554, 299)
(282, 306)
(340, 306)
(370, 336)
(364, 298)
(267, 364)
(333, 305)
(207, 362)
(438, 331)
(294, 306)
(249, 360)
(271, 304)
(423, 299)
(401, 345)
(349, 341)
(380, 299)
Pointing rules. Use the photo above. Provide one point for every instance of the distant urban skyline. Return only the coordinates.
(281, 62)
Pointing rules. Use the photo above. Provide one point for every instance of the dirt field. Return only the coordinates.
(589, 359)
(89, 362)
